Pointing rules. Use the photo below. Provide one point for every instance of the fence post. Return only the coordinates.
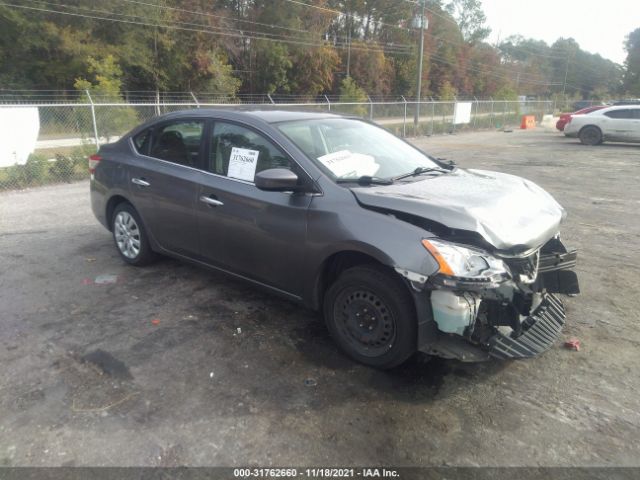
(504, 113)
(475, 117)
(433, 115)
(158, 102)
(404, 119)
(328, 103)
(93, 116)
(195, 100)
(491, 114)
(370, 108)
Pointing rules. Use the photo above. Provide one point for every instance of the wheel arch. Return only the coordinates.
(339, 261)
(590, 125)
(112, 203)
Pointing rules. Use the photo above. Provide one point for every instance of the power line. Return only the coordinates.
(221, 33)
(338, 12)
(439, 59)
(197, 12)
(215, 16)
(213, 27)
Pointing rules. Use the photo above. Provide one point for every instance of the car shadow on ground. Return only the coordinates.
(280, 332)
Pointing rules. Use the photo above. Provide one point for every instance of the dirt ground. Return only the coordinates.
(173, 365)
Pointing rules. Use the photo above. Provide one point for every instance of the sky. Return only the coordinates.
(597, 26)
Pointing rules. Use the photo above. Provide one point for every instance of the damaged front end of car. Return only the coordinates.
(482, 304)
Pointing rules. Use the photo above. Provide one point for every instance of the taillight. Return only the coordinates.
(93, 162)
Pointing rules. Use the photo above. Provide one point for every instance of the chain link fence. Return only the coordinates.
(69, 132)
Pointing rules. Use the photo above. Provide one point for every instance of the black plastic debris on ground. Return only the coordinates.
(108, 364)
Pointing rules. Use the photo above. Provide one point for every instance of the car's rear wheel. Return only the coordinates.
(591, 136)
(371, 316)
(130, 236)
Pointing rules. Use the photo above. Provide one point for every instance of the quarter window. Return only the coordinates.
(142, 141)
(178, 142)
(238, 152)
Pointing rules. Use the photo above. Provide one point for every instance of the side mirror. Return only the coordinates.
(277, 180)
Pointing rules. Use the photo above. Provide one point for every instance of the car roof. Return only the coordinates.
(266, 115)
(238, 113)
(619, 107)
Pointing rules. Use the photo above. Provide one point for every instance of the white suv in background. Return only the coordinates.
(612, 124)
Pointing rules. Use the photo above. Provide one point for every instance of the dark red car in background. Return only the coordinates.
(566, 117)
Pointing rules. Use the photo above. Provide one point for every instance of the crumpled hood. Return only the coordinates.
(508, 211)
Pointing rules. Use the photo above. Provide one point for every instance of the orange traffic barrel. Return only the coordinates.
(528, 121)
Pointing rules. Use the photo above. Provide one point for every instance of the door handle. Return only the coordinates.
(211, 201)
(141, 182)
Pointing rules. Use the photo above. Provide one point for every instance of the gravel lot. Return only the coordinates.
(173, 365)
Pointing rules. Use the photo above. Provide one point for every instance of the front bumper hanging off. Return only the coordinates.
(540, 331)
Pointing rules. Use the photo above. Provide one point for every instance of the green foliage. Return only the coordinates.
(106, 75)
(273, 67)
(632, 63)
(108, 58)
(447, 91)
(351, 92)
(62, 168)
(33, 172)
(221, 80)
(471, 19)
(371, 69)
(38, 170)
(313, 70)
(104, 87)
(505, 92)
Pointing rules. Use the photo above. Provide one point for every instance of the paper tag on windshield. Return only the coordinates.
(348, 164)
(242, 164)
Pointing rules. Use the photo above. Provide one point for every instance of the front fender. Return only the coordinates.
(392, 242)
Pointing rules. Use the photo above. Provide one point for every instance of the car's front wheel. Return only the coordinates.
(591, 136)
(130, 236)
(371, 316)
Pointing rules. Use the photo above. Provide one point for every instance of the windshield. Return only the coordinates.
(349, 148)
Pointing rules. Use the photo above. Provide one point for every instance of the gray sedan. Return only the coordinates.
(399, 250)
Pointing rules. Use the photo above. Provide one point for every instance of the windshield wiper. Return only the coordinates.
(366, 180)
(421, 170)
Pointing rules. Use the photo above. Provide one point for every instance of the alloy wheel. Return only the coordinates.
(127, 235)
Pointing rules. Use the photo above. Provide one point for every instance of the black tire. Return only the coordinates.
(371, 316)
(130, 236)
(591, 136)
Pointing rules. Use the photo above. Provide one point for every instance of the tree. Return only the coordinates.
(104, 87)
(272, 65)
(632, 63)
(313, 70)
(371, 69)
(470, 18)
(350, 92)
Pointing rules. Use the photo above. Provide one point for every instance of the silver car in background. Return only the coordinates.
(612, 124)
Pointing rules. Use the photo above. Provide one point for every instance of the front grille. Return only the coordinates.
(542, 328)
(524, 269)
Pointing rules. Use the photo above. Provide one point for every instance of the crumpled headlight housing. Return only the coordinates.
(462, 266)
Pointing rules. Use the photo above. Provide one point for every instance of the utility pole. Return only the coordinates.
(348, 46)
(420, 55)
(566, 73)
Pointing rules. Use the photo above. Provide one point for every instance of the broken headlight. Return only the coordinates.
(462, 266)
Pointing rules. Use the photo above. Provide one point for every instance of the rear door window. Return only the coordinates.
(620, 114)
(178, 142)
